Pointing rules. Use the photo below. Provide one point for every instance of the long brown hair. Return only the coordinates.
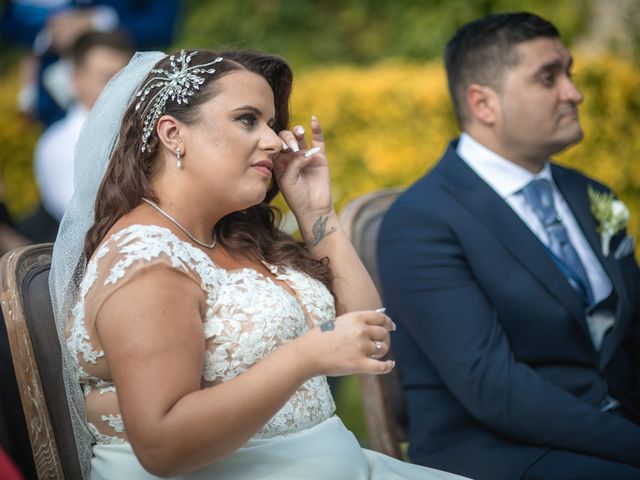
(252, 232)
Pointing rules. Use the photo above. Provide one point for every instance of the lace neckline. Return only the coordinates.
(273, 269)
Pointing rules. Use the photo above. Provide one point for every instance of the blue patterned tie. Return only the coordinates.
(539, 195)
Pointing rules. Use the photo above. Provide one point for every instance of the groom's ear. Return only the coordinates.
(169, 132)
(483, 103)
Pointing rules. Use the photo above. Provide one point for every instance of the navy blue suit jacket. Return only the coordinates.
(493, 349)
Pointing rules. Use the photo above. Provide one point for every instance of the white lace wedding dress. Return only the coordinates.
(248, 315)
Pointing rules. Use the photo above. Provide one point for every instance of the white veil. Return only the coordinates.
(92, 153)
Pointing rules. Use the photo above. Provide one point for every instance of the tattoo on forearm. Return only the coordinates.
(319, 231)
(328, 326)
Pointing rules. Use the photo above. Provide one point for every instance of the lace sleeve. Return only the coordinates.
(123, 258)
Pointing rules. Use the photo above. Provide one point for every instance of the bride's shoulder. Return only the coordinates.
(137, 246)
(137, 239)
(140, 234)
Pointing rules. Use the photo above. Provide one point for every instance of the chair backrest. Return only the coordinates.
(382, 394)
(35, 349)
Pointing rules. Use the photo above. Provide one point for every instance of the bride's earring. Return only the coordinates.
(178, 158)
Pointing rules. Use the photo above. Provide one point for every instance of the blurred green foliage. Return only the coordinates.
(312, 33)
(18, 137)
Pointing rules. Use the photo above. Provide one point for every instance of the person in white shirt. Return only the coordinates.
(518, 338)
(97, 57)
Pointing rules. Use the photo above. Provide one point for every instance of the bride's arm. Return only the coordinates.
(352, 285)
(152, 335)
(305, 185)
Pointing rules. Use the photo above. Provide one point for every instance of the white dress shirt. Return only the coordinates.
(54, 161)
(508, 180)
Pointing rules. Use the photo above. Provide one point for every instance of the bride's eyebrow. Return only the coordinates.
(250, 108)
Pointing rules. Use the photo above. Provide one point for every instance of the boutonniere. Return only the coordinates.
(611, 213)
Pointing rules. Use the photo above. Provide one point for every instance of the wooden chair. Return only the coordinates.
(35, 349)
(381, 394)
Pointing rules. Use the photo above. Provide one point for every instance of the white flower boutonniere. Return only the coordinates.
(611, 213)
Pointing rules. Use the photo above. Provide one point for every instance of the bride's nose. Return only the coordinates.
(270, 141)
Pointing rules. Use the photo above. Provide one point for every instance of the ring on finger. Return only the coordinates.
(378, 347)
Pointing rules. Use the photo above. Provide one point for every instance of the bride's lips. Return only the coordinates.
(264, 166)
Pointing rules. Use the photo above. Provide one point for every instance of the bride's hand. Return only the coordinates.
(352, 343)
(303, 175)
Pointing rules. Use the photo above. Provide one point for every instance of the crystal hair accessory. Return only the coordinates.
(177, 85)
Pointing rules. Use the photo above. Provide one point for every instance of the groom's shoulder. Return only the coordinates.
(422, 191)
(421, 198)
(431, 181)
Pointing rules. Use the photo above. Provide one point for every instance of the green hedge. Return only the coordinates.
(310, 33)
(313, 33)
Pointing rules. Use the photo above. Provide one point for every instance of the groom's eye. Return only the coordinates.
(547, 79)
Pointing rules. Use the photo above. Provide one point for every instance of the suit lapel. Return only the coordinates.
(575, 194)
(507, 227)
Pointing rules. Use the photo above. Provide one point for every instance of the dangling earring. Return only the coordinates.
(178, 159)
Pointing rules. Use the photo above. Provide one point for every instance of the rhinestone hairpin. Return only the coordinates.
(177, 85)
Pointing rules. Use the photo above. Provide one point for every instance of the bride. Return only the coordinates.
(199, 333)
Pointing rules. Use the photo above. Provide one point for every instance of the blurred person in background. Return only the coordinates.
(49, 28)
(96, 57)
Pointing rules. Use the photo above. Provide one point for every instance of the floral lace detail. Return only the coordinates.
(248, 316)
(78, 339)
(114, 421)
(105, 387)
(243, 328)
(314, 296)
(158, 241)
(88, 383)
(102, 439)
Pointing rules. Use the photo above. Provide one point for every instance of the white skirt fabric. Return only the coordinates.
(326, 451)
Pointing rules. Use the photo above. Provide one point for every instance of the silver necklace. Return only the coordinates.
(179, 225)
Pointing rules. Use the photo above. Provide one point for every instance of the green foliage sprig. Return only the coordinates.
(611, 213)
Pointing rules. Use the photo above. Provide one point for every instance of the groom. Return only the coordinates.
(518, 338)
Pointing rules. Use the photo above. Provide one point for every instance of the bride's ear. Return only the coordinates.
(170, 134)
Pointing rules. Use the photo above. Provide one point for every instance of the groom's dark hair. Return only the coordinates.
(480, 51)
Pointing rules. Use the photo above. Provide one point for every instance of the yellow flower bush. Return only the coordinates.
(384, 125)
(387, 125)
(17, 140)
